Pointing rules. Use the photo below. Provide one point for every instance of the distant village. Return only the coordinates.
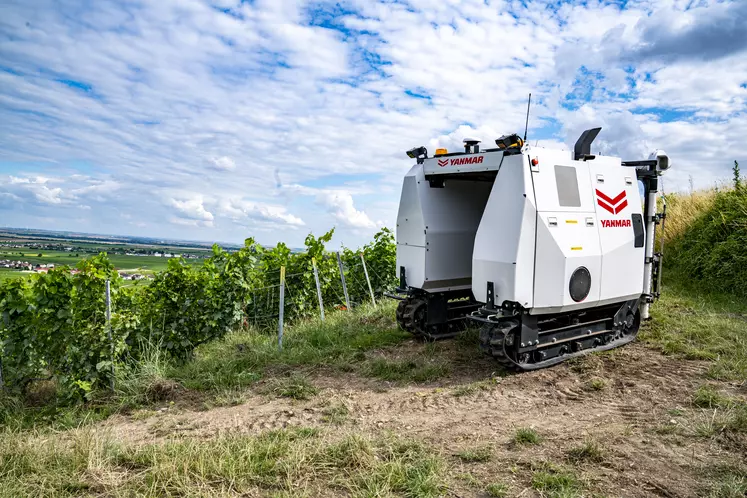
(158, 253)
(44, 268)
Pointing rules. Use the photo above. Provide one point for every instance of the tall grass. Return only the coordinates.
(683, 209)
(706, 236)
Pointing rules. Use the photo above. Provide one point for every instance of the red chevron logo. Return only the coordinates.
(443, 162)
(613, 205)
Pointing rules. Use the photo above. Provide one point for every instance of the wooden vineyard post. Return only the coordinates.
(282, 308)
(318, 288)
(368, 280)
(109, 328)
(342, 278)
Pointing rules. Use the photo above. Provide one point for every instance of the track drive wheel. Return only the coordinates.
(497, 340)
(416, 317)
(632, 324)
(401, 307)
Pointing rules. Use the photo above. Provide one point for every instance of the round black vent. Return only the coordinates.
(580, 284)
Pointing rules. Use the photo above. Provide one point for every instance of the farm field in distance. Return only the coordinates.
(59, 258)
(38, 248)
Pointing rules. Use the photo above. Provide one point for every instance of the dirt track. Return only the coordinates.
(634, 401)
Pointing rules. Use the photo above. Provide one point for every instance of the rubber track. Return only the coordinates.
(492, 338)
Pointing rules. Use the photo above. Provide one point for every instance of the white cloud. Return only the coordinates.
(223, 163)
(245, 211)
(340, 205)
(181, 100)
(35, 188)
(48, 195)
(191, 211)
(187, 222)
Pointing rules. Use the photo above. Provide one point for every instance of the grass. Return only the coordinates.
(285, 461)
(683, 210)
(406, 370)
(472, 388)
(727, 482)
(225, 397)
(295, 387)
(707, 243)
(590, 451)
(705, 234)
(526, 436)
(597, 384)
(706, 396)
(715, 415)
(556, 482)
(720, 413)
(17, 414)
(7, 273)
(336, 414)
(496, 490)
(479, 454)
(701, 326)
(340, 342)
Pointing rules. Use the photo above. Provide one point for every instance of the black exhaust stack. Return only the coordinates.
(583, 144)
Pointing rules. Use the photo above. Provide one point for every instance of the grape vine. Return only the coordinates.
(53, 325)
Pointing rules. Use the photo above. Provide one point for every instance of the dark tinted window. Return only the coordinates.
(567, 183)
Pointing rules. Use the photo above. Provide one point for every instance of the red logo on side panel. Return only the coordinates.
(443, 162)
(613, 205)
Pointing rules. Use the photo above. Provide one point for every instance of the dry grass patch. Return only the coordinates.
(284, 461)
(295, 387)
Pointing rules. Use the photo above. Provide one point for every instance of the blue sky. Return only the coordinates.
(222, 119)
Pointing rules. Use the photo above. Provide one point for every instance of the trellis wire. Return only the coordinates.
(358, 283)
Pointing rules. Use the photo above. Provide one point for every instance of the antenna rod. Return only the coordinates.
(526, 128)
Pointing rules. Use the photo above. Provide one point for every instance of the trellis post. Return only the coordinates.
(318, 288)
(342, 278)
(368, 280)
(109, 328)
(282, 308)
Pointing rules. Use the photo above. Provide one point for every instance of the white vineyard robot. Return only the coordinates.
(551, 251)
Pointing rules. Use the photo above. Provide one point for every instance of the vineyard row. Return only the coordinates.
(54, 325)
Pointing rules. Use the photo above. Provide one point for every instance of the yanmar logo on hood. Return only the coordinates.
(613, 205)
(461, 161)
